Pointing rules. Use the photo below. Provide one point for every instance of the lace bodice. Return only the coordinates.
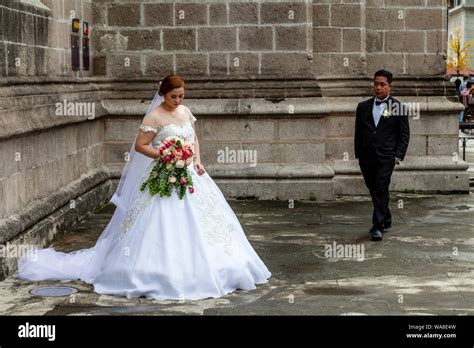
(185, 130)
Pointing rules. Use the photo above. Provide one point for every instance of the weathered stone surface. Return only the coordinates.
(99, 65)
(243, 13)
(126, 15)
(287, 38)
(339, 149)
(188, 14)
(125, 65)
(282, 12)
(217, 39)
(443, 145)
(435, 42)
(14, 225)
(424, 19)
(384, 19)
(327, 39)
(3, 63)
(347, 63)
(138, 40)
(351, 40)
(320, 15)
(346, 15)
(301, 129)
(294, 64)
(426, 64)
(242, 130)
(179, 39)
(191, 64)
(405, 41)
(158, 65)
(393, 62)
(158, 14)
(218, 64)
(217, 14)
(255, 38)
(243, 64)
(292, 153)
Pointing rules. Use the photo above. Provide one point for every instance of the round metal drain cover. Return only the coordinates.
(53, 291)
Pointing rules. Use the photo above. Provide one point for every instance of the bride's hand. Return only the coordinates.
(199, 168)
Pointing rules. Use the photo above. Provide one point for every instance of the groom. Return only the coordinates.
(381, 139)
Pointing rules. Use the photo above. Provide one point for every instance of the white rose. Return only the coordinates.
(172, 179)
(172, 137)
(167, 152)
(180, 164)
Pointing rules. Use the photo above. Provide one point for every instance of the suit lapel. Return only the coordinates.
(370, 114)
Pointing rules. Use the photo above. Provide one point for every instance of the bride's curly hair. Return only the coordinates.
(171, 82)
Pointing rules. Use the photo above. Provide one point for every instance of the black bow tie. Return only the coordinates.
(378, 102)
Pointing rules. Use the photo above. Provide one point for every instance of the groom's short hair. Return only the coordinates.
(384, 73)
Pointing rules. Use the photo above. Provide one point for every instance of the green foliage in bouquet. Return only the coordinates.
(170, 172)
(160, 180)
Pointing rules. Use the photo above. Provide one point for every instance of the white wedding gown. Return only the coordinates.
(163, 247)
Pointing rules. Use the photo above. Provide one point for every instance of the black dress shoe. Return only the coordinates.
(386, 226)
(377, 235)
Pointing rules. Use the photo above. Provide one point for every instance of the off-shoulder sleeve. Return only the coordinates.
(149, 124)
(147, 128)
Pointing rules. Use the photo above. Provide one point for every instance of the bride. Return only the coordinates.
(161, 247)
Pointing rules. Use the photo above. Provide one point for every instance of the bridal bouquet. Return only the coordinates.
(171, 172)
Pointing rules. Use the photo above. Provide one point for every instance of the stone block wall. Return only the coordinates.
(41, 151)
(224, 38)
(277, 39)
(35, 36)
(407, 37)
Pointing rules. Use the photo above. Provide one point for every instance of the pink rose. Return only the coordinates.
(182, 181)
(191, 189)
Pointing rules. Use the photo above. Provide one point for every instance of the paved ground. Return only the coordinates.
(424, 265)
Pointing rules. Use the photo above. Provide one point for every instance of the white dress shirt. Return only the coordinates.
(377, 110)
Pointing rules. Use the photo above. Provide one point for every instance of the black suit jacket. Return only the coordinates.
(386, 141)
